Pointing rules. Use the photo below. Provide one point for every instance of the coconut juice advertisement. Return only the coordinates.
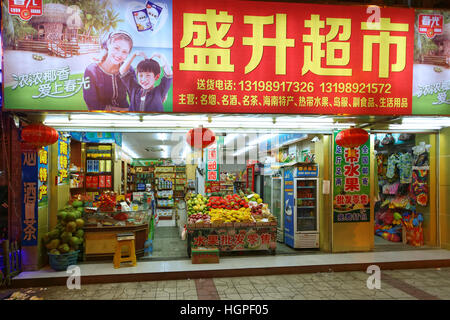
(431, 73)
(107, 55)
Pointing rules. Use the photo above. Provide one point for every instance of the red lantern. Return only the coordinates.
(200, 138)
(39, 135)
(352, 138)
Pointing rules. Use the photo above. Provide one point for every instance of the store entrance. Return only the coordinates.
(161, 172)
(405, 211)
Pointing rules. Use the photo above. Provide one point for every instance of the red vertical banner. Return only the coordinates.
(235, 57)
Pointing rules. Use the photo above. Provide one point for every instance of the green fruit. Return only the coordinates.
(80, 234)
(61, 215)
(77, 203)
(71, 226)
(53, 244)
(71, 216)
(79, 223)
(74, 241)
(64, 248)
(55, 251)
(66, 236)
(80, 209)
(54, 234)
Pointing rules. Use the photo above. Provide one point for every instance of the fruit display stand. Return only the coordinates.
(101, 229)
(231, 237)
(230, 224)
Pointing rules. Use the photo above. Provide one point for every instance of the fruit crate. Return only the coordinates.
(60, 262)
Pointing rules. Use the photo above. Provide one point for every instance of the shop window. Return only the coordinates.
(403, 171)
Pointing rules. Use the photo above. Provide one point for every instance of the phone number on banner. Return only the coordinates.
(293, 86)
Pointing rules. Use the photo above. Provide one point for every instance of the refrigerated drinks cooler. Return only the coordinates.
(301, 217)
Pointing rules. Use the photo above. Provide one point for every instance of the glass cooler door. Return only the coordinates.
(306, 202)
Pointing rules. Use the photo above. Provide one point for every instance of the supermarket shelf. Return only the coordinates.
(304, 207)
(305, 187)
(306, 198)
(108, 173)
(306, 217)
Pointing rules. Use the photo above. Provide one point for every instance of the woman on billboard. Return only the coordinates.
(106, 91)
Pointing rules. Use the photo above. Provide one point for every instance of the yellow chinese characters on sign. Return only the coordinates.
(334, 41)
(201, 57)
(385, 40)
(258, 41)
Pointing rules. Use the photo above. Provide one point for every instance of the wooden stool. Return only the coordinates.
(125, 240)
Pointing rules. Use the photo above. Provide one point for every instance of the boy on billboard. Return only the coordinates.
(144, 95)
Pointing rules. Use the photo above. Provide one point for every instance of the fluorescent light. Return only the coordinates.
(254, 143)
(129, 152)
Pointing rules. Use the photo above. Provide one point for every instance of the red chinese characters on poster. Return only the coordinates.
(25, 9)
(292, 58)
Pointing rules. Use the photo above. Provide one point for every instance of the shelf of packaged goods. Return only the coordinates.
(306, 207)
(306, 218)
(305, 187)
(99, 158)
(306, 198)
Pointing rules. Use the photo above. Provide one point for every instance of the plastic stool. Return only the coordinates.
(125, 240)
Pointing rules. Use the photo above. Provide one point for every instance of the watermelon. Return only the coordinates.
(77, 203)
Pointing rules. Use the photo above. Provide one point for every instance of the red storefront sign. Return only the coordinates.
(25, 9)
(291, 58)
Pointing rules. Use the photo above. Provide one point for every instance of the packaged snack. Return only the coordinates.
(142, 20)
(154, 12)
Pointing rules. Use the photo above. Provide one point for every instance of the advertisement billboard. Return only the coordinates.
(225, 57)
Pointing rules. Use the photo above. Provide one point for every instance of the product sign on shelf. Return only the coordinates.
(351, 183)
(211, 56)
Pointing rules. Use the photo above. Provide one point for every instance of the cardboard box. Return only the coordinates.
(108, 181)
(101, 182)
(204, 255)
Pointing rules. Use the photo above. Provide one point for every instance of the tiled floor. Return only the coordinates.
(236, 263)
(413, 284)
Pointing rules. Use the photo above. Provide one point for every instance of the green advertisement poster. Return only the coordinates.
(351, 183)
(431, 73)
(87, 56)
